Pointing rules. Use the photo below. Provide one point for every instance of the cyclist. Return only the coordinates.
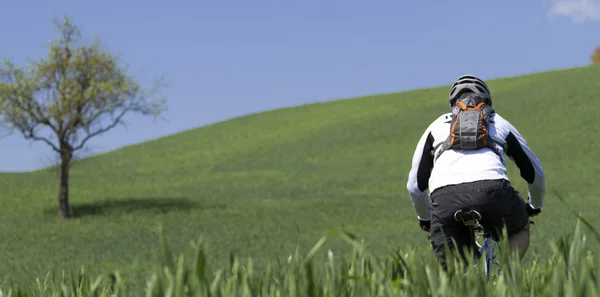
(460, 160)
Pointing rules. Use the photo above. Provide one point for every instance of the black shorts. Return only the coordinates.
(499, 204)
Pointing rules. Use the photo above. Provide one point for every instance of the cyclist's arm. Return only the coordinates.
(418, 177)
(529, 165)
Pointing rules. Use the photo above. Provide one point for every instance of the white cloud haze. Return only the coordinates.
(578, 11)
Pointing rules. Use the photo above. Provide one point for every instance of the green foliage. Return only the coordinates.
(571, 270)
(595, 57)
(77, 91)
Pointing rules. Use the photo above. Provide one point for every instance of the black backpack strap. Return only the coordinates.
(501, 143)
(442, 148)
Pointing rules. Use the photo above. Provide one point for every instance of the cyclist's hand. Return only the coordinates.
(532, 212)
(425, 225)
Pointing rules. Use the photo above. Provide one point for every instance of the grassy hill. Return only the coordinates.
(261, 184)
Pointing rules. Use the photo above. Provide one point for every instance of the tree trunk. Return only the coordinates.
(63, 195)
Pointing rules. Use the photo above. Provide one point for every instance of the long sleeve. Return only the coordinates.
(418, 177)
(529, 165)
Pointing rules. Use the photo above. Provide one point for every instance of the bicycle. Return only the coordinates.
(471, 218)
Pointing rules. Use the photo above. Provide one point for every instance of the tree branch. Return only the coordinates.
(115, 122)
(30, 134)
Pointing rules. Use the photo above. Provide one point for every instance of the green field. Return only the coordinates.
(262, 184)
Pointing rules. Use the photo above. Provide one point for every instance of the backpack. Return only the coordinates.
(469, 127)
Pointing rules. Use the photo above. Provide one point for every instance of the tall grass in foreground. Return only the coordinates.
(571, 270)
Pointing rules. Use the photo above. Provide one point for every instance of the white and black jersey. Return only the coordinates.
(455, 167)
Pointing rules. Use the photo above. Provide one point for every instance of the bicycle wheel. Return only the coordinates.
(488, 267)
(488, 257)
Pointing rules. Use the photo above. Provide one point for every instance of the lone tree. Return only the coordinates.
(76, 93)
(595, 57)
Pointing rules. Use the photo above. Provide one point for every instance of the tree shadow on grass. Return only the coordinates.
(131, 205)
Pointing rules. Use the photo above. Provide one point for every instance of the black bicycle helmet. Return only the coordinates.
(469, 84)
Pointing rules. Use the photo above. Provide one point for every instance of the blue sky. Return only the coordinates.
(226, 58)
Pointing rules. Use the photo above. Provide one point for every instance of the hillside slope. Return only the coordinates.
(263, 183)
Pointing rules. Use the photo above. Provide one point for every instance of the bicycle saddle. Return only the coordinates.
(468, 217)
